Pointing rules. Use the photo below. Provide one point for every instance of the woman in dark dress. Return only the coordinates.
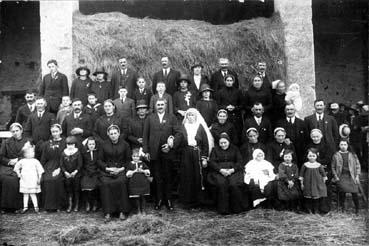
(197, 141)
(226, 177)
(81, 85)
(279, 102)
(252, 144)
(258, 93)
(109, 118)
(9, 155)
(52, 182)
(223, 125)
(114, 157)
(230, 99)
(207, 106)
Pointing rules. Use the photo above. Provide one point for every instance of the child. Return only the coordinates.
(93, 108)
(293, 96)
(71, 164)
(138, 184)
(29, 170)
(346, 173)
(65, 109)
(313, 177)
(288, 184)
(125, 106)
(89, 181)
(184, 98)
(207, 107)
(160, 87)
(142, 93)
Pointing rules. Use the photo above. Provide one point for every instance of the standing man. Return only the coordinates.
(53, 87)
(324, 122)
(125, 106)
(124, 77)
(261, 67)
(160, 137)
(77, 123)
(136, 125)
(168, 75)
(217, 78)
(295, 132)
(25, 110)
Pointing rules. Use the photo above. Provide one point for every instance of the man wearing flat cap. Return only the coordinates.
(136, 125)
(81, 85)
(334, 110)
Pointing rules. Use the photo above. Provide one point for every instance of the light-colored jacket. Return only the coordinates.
(353, 163)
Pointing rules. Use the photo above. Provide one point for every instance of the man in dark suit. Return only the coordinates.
(25, 110)
(161, 135)
(260, 122)
(168, 75)
(217, 78)
(124, 77)
(295, 132)
(324, 122)
(53, 87)
(77, 123)
(124, 106)
(197, 79)
(262, 66)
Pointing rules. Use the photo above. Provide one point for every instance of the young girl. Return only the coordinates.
(346, 173)
(71, 164)
(29, 170)
(138, 184)
(65, 109)
(288, 184)
(313, 177)
(90, 174)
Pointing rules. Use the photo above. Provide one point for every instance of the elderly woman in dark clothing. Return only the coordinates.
(52, 182)
(9, 155)
(81, 85)
(109, 118)
(223, 125)
(279, 102)
(252, 144)
(114, 157)
(258, 93)
(230, 99)
(226, 177)
(54, 86)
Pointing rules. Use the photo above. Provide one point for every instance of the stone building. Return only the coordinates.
(326, 47)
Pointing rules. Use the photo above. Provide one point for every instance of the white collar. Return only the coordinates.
(292, 119)
(317, 115)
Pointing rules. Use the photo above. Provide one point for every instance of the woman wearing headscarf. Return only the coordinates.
(223, 125)
(196, 146)
(258, 174)
(10, 154)
(252, 144)
(226, 177)
(113, 158)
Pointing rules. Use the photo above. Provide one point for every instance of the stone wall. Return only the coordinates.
(56, 34)
(296, 16)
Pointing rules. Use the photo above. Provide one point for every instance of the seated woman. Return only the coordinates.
(252, 144)
(223, 125)
(9, 155)
(258, 174)
(226, 177)
(52, 183)
(113, 159)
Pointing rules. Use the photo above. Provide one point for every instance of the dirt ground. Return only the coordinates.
(182, 227)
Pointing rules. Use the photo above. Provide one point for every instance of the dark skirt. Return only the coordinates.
(346, 183)
(89, 182)
(10, 196)
(191, 184)
(53, 192)
(288, 194)
(114, 194)
(230, 195)
(72, 185)
(139, 185)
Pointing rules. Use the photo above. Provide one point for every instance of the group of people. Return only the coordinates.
(113, 143)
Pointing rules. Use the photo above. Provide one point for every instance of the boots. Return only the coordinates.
(308, 205)
(342, 199)
(88, 207)
(142, 205)
(70, 203)
(76, 206)
(355, 199)
(315, 206)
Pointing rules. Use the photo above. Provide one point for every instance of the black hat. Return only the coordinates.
(205, 87)
(100, 70)
(141, 104)
(184, 77)
(83, 68)
(197, 64)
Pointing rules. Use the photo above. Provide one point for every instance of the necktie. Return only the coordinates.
(141, 91)
(165, 73)
(39, 115)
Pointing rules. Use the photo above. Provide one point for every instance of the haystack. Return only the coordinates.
(100, 39)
